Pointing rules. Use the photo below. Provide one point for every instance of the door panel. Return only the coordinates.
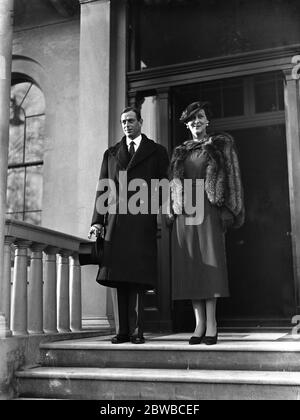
(259, 255)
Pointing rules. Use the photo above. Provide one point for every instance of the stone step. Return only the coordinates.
(157, 384)
(37, 399)
(160, 353)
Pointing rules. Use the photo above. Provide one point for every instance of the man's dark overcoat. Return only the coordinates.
(130, 246)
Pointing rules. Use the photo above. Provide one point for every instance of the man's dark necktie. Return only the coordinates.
(131, 150)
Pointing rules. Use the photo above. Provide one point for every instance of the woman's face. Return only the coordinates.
(198, 124)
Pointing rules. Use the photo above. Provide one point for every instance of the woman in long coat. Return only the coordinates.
(199, 260)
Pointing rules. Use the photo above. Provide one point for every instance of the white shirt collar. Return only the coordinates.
(137, 141)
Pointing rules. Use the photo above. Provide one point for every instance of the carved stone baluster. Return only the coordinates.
(6, 288)
(50, 291)
(63, 293)
(35, 302)
(75, 294)
(19, 289)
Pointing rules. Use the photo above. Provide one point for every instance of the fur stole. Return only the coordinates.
(223, 185)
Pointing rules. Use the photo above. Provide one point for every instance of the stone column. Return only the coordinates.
(102, 98)
(94, 102)
(164, 288)
(6, 29)
(292, 103)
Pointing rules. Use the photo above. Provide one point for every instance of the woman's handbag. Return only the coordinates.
(91, 253)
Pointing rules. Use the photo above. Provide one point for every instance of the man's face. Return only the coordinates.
(131, 126)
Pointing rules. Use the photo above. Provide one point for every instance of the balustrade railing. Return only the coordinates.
(42, 280)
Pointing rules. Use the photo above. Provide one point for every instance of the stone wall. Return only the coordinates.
(46, 48)
(54, 48)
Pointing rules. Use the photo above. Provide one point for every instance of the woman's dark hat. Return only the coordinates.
(192, 109)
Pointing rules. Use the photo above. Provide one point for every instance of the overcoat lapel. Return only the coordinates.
(120, 153)
(146, 149)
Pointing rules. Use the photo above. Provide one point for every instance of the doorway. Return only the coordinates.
(259, 255)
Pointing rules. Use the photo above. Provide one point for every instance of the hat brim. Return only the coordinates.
(188, 115)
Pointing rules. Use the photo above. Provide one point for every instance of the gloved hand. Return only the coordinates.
(97, 230)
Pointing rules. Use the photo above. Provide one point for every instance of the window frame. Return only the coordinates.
(19, 79)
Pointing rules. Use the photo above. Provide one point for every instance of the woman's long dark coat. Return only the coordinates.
(130, 250)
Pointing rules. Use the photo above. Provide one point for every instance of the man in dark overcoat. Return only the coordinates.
(130, 247)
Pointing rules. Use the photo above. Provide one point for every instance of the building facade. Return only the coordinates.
(89, 59)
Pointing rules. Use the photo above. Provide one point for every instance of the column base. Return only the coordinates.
(76, 330)
(64, 330)
(5, 333)
(35, 332)
(4, 330)
(50, 332)
(20, 333)
(98, 323)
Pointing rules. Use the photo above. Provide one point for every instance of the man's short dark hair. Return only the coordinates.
(133, 109)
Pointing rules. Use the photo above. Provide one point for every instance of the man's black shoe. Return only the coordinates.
(138, 340)
(120, 339)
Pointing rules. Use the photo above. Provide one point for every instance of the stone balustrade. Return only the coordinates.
(42, 280)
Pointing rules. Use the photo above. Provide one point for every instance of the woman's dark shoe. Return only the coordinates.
(120, 339)
(196, 340)
(138, 340)
(210, 341)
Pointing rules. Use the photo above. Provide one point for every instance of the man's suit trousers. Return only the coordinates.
(131, 310)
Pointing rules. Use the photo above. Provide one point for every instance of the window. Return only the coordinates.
(26, 150)
(269, 93)
(167, 32)
(236, 102)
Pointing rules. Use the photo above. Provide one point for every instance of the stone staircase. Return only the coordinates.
(241, 366)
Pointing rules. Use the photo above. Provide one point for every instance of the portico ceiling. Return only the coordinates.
(170, 2)
(65, 8)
